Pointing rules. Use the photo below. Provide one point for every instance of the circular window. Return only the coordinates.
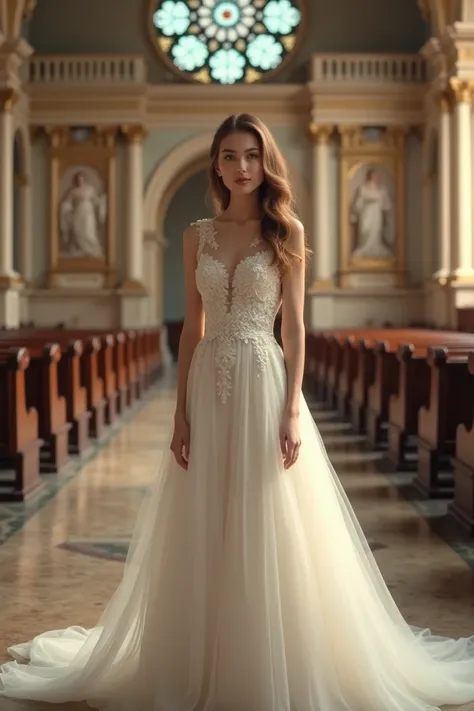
(226, 41)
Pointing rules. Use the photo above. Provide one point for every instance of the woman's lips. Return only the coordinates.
(242, 181)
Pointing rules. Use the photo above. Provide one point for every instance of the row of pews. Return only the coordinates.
(62, 389)
(411, 392)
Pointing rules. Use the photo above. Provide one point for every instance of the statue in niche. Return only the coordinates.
(371, 215)
(82, 215)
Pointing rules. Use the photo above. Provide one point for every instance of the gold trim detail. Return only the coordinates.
(98, 152)
(134, 135)
(320, 134)
(359, 152)
(462, 90)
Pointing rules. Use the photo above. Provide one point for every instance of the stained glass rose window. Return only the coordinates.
(226, 41)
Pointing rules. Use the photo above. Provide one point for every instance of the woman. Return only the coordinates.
(250, 586)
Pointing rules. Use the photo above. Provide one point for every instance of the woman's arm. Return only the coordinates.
(193, 327)
(292, 329)
(293, 337)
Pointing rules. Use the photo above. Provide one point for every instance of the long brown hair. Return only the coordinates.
(276, 198)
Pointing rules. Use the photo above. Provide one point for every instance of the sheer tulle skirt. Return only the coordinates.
(247, 587)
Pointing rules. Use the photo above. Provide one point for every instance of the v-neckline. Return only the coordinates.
(231, 276)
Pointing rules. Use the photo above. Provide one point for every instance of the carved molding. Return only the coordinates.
(63, 136)
(355, 138)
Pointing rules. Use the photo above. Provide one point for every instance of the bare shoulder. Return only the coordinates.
(191, 231)
(296, 238)
(191, 236)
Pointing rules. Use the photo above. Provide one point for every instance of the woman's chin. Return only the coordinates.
(243, 188)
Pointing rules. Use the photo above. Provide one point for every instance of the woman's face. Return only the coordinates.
(240, 162)
(79, 179)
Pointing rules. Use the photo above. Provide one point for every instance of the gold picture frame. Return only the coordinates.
(82, 170)
(372, 209)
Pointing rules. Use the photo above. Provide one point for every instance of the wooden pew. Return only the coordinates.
(451, 401)
(73, 373)
(19, 441)
(42, 383)
(413, 392)
(383, 386)
(347, 377)
(390, 384)
(462, 507)
(364, 378)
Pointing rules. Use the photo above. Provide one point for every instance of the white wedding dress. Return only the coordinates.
(248, 587)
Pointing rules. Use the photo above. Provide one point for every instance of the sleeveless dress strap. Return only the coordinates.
(206, 234)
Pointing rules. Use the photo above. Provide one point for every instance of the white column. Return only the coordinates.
(322, 266)
(7, 99)
(134, 207)
(444, 189)
(25, 231)
(464, 264)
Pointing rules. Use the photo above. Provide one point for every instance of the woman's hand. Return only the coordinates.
(180, 441)
(290, 441)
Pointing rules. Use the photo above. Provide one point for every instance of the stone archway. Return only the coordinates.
(170, 174)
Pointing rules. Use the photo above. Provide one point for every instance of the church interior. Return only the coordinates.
(107, 113)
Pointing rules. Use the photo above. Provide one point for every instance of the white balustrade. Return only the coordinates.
(368, 68)
(87, 69)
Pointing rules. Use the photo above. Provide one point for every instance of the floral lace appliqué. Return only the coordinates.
(238, 307)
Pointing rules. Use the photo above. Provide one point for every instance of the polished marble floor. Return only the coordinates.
(61, 555)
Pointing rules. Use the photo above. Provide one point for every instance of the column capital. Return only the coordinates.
(462, 90)
(444, 101)
(134, 134)
(8, 98)
(320, 134)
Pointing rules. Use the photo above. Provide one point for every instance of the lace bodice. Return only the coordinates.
(239, 306)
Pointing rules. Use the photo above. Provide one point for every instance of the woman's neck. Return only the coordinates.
(245, 208)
